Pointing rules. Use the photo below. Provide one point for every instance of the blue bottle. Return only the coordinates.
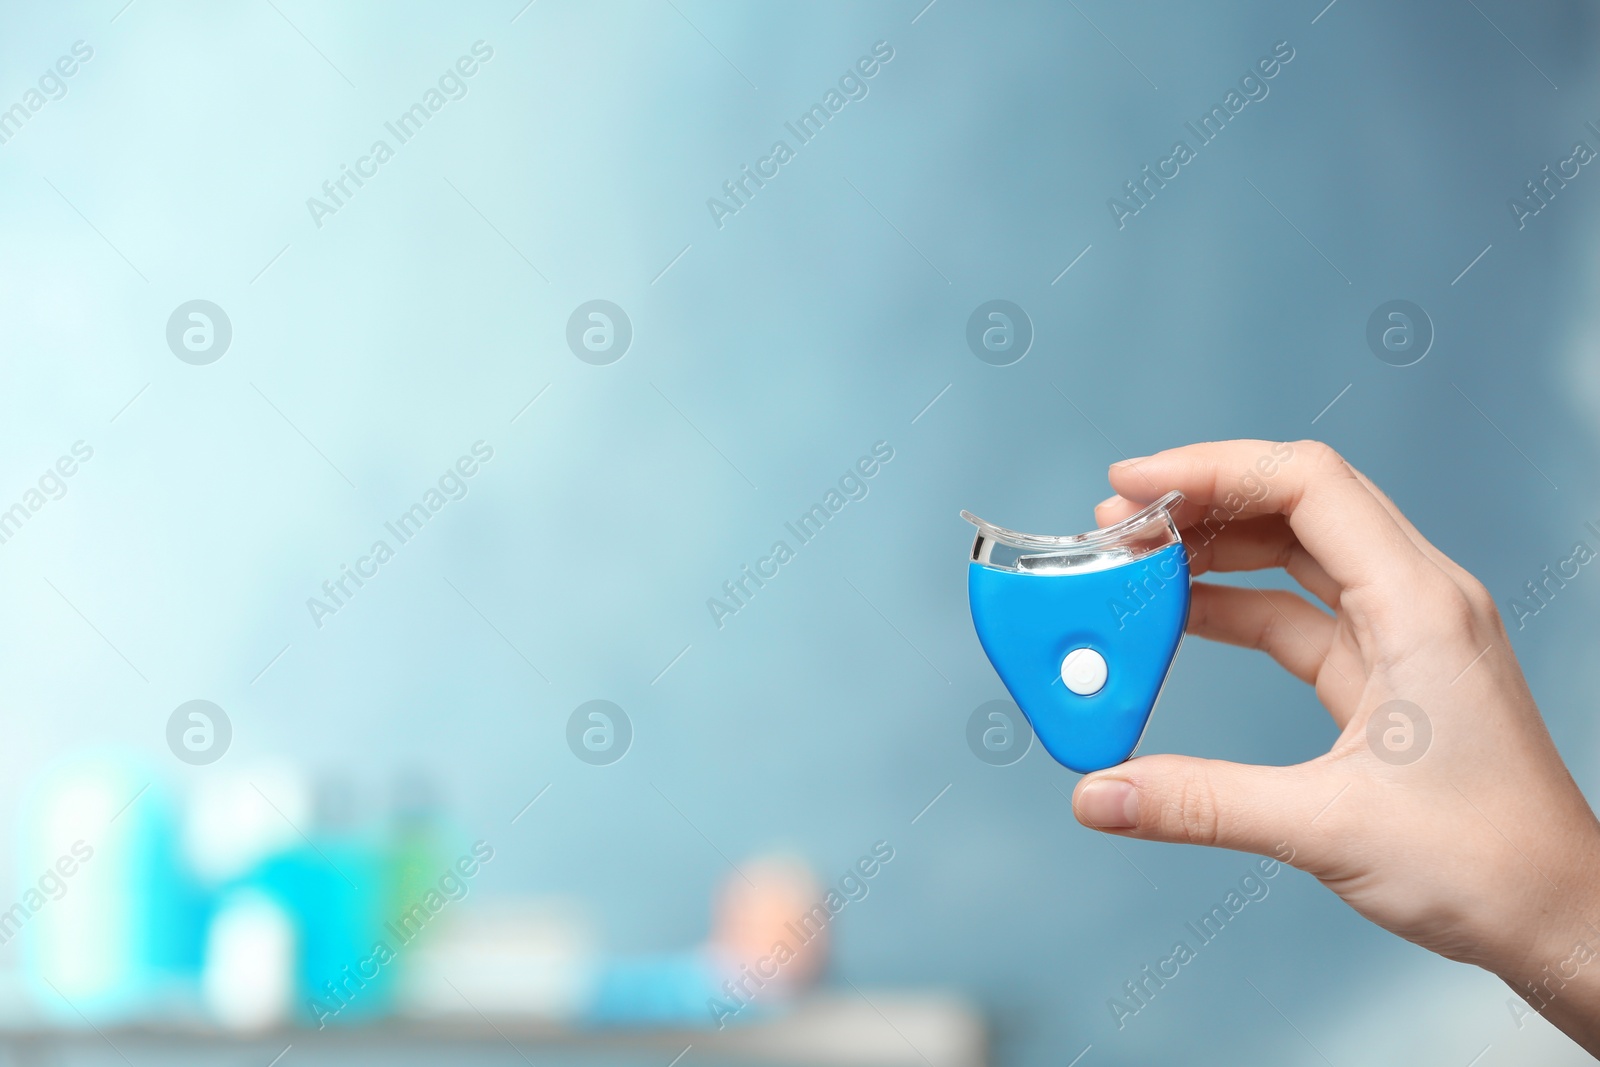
(1082, 629)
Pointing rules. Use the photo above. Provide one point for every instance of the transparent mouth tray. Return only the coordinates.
(1142, 534)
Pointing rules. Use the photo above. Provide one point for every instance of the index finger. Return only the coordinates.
(1332, 512)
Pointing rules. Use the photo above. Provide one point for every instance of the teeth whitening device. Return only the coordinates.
(1083, 628)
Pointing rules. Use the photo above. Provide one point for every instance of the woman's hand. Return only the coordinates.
(1443, 811)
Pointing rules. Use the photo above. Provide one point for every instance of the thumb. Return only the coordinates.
(1199, 802)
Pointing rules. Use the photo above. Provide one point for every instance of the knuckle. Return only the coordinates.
(1322, 468)
(1318, 453)
(1194, 814)
(1290, 552)
(1265, 632)
(1459, 612)
(1479, 597)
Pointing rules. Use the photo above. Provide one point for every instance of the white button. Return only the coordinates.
(1084, 671)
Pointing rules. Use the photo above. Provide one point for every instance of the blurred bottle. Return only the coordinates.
(335, 883)
(112, 926)
(236, 823)
(416, 851)
(251, 948)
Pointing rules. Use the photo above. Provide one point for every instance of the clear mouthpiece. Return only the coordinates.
(1149, 530)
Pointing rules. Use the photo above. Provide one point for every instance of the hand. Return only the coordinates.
(1474, 843)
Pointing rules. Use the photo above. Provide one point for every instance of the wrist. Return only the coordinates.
(1553, 961)
(1564, 989)
(1565, 964)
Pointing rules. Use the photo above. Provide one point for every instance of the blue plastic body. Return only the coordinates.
(1133, 615)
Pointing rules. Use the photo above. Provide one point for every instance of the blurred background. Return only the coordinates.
(244, 744)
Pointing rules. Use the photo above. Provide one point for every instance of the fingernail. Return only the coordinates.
(1110, 804)
(1107, 502)
(1123, 463)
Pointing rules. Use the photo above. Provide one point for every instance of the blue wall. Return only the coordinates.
(374, 345)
